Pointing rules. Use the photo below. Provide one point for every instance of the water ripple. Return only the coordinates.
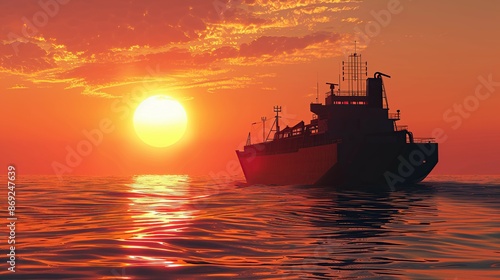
(177, 227)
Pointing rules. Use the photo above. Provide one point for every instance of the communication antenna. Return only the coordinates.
(263, 129)
(339, 80)
(317, 87)
(353, 73)
(249, 140)
(277, 110)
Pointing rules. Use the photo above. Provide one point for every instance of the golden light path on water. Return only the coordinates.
(181, 227)
(158, 210)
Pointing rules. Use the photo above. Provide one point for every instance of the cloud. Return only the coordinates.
(97, 26)
(29, 58)
(275, 45)
(97, 45)
(18, 86)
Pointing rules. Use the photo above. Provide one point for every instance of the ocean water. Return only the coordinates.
(181, 227)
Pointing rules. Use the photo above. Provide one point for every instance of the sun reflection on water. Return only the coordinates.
(159, 211)
(180, 227)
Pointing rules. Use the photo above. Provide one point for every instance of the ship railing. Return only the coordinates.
(424, 140)
(394, 116)
(401, 127)
(278, 147)
(348, 93)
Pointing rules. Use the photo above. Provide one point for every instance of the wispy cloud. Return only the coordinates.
(18, 86)
(95, 45)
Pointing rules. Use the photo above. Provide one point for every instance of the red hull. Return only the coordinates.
(305, 166)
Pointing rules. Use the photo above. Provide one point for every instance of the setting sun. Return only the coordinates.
(160, 121)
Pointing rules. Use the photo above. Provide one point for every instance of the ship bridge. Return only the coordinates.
(357, 105)
(357, 88)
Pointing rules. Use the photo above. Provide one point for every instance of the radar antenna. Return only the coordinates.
(332, 88)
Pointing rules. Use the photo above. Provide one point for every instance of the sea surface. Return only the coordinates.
(181, 227)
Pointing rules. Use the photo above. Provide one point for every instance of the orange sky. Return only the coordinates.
(66, 66)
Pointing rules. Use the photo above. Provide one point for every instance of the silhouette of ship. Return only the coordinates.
(351, 139)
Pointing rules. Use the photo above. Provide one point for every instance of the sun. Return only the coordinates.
(160, 121)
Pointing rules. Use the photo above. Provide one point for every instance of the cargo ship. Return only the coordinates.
(351, 139)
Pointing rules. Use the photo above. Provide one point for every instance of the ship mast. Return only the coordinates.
(277, 110)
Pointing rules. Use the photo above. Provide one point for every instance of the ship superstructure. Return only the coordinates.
(352, 139)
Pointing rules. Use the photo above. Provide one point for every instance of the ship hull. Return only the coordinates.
(303, 166)
(337, 164)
